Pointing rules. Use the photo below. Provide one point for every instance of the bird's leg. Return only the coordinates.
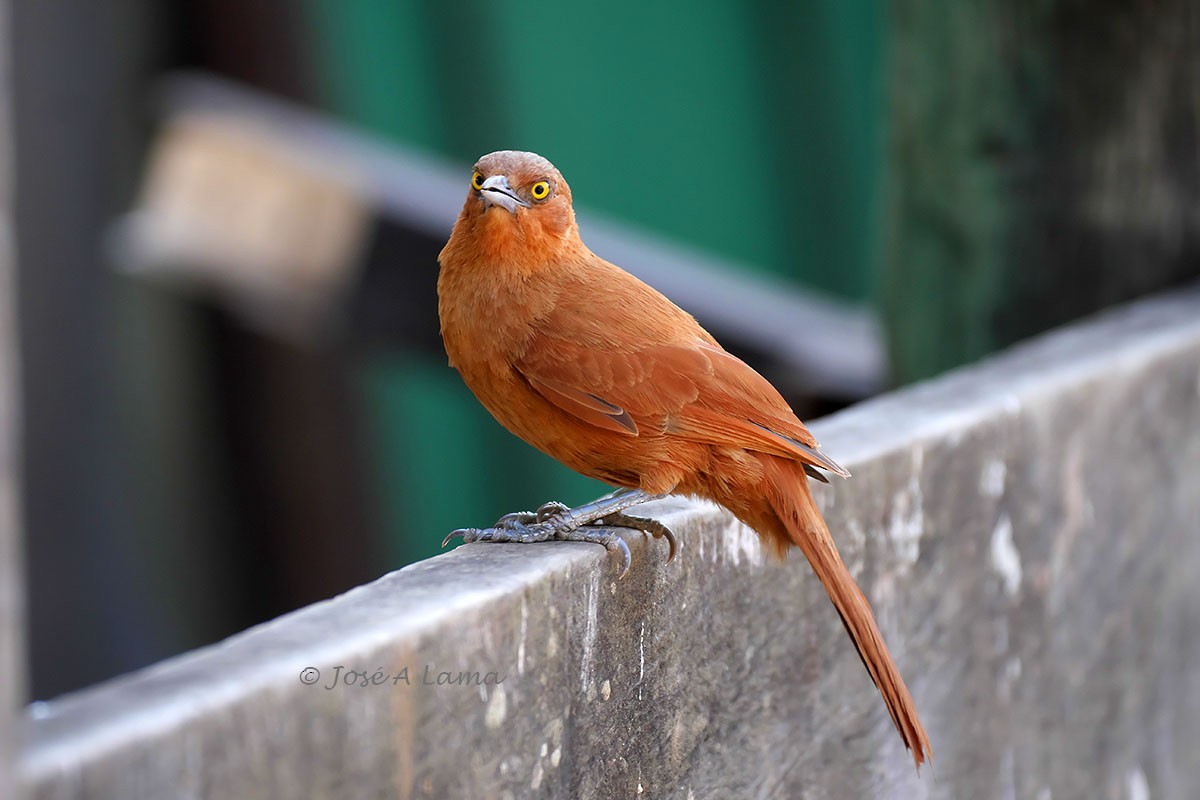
(591, 522)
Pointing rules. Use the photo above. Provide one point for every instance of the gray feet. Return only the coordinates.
(595, 522)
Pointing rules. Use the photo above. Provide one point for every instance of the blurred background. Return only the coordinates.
(228, 214)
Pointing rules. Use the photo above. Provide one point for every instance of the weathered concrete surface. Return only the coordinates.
(1027, 531)
(12, 639)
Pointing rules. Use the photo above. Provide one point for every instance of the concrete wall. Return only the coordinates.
(1026, 530)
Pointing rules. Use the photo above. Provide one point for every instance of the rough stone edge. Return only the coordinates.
(1109, 344)
(82, 728)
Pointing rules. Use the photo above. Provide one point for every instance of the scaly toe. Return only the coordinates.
(550, 510)
(517, 519)
(515, 532)
(596, 522)
(607, 537)
(645, 525)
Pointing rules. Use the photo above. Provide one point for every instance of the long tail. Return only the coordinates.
(790, 516)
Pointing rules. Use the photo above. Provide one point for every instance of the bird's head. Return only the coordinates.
(518, 206)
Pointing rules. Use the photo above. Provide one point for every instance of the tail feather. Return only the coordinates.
(790, 516)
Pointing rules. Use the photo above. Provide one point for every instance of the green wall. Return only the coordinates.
(753, 130)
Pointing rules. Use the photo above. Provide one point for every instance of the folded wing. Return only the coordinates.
(694, 390)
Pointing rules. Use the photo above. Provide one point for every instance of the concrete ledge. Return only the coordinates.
(1026, 530)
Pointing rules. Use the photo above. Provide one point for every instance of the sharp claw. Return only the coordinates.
(673, 542)
(624, 548)
(660, 531)
(463, 532)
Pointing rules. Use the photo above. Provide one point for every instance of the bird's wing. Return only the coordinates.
(693, 390)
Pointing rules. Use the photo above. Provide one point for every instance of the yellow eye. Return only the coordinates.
(477, 180)
(540, 190)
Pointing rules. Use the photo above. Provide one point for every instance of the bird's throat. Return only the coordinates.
(516, 243)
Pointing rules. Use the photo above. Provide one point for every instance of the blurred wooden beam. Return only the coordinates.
(312, 230)
(13, 691)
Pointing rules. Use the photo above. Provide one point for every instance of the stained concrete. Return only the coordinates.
(1027, 530)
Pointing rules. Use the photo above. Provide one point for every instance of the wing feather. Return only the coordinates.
(587, 407)
(692, 389)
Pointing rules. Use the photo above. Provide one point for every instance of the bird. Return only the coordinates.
(597, 369)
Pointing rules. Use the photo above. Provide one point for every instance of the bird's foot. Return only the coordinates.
(596, 522)
(646, 525)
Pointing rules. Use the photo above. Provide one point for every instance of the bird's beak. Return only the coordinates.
(496, 192)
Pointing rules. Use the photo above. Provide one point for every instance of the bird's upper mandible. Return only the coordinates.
(511, 179)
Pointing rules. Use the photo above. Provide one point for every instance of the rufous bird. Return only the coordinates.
(597, 369)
